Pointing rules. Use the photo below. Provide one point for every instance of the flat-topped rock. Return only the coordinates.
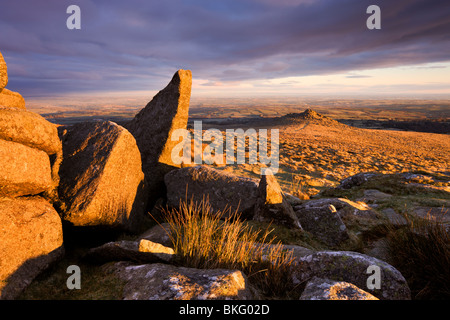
(23, 170)
(30, 129)
(11, 99)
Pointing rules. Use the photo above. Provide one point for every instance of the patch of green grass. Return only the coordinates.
(95, 283)
(287, 235)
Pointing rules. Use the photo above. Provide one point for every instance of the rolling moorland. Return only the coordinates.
(386, 136)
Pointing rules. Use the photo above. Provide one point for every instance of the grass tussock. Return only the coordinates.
(421, 252)
(201, 239)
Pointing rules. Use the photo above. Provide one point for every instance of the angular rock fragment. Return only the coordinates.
(159, 233)
(143, 251)
(272, 205)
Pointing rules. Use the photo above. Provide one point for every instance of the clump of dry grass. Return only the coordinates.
(421, 252)
(297, 188)
(202, 240)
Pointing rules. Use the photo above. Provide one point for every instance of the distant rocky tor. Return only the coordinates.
(308, 115)
(101, 176)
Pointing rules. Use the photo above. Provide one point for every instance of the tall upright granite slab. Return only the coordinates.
(3, 73)
(153, 126)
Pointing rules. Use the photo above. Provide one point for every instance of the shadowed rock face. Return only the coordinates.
(223, 190)
(101, 176)
(3, 73)
(153, 126)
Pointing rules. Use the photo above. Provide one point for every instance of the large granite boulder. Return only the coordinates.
(153, 126)
(166, 282)
(223, 190)
(101, 178)
(355, 268)
(24, 170)
(30, 240)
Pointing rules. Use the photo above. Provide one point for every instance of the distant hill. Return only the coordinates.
(308, 115)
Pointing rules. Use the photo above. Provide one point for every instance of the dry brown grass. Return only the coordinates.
(421, 252)
(202, 240)
(323, 154)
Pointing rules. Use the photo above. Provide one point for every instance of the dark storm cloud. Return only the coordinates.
(125, 45)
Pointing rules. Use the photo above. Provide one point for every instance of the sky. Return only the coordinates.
(233, 47)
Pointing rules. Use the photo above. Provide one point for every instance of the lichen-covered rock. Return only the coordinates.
(166, 282)
(326, 289)
(153, 126)
(352, 267)
(272, 205)
(23, 170)
(224, 190)
(323, 221)
(30, 240)
(101, 178)
(11, 99)
(357, 179)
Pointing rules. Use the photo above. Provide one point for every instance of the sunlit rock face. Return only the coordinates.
(153, 126)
